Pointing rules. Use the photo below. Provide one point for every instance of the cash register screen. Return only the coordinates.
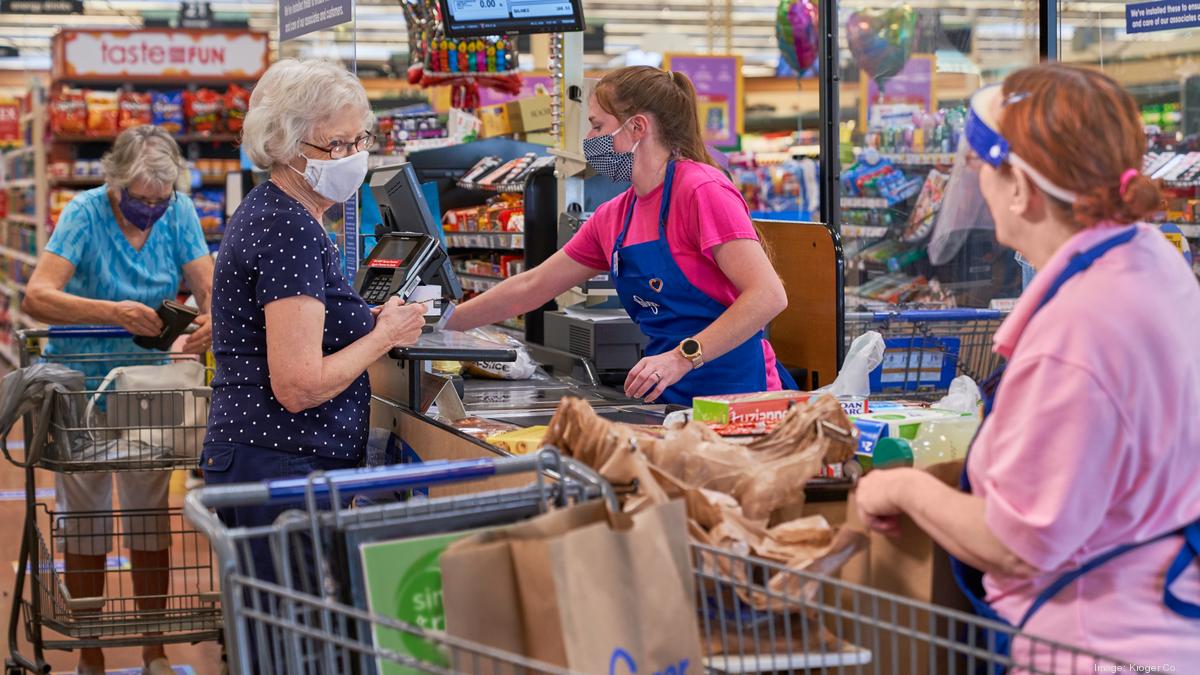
(468, 18)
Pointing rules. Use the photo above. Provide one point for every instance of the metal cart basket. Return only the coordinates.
(927, 349)
(93, 427)
(754, 616)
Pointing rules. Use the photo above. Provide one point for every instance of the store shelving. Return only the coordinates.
(20, 183)
(493, 241)
(23, 219)
(919, 158)
(21, 256)
(182, 138)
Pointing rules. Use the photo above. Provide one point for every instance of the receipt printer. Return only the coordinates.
(396, 266)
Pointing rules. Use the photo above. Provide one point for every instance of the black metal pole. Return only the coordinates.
(831, 151)
(829, 115)
(1048, 30)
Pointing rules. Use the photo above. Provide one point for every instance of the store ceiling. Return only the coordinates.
(1004, 30)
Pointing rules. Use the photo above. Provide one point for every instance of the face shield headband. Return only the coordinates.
(993, 149)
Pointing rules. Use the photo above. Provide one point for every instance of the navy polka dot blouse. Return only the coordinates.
(273, 249)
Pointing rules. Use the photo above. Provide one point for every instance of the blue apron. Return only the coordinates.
(669, 309)
(970, 580)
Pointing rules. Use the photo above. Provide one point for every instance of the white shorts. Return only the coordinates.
(84, 502)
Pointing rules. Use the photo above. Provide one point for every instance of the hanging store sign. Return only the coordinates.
(718, 83)
(41, 6)
(300, 17)
(195, 14)
(175, 54)
(913, 87)
(1160, 15)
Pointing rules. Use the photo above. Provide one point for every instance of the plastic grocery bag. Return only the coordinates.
(962, 397)
(523, 368)
(865, 355)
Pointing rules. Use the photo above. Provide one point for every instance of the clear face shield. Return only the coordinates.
(963, 206)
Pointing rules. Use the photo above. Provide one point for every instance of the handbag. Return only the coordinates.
(162, 408)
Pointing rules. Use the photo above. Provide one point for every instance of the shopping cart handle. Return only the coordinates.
(920, 315)
(87, 332)
(391, 478)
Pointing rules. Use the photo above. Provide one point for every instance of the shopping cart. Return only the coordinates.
(927, 349)
(754, 616)
(107, 431)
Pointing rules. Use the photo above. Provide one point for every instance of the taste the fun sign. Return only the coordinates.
(175, 54)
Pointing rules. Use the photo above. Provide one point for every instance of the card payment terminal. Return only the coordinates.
(395, 266)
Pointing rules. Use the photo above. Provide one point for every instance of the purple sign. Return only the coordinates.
(529, 87)
(718, 83)
(913, 84)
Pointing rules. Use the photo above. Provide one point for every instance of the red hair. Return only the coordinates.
(1081, 130)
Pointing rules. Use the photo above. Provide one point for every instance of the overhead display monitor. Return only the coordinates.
(470, 18)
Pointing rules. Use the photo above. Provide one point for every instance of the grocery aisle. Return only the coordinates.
(200, 659)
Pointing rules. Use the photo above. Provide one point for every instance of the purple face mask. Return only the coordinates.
(140, 214)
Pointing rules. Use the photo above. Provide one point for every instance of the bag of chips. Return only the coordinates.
(68, 112)
(237, 102)
(134, 110)
(102, 113)
(203, 110)
(166, 112)
(210, 209)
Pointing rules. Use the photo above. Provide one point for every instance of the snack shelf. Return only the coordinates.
(864, 231)
(182, 138)
(17, 152)
(22, 219)
(20, 183)
(507, 188)
(495, 241)
(15, 285)
(910, 190)
(477, 284)
(21, 256)
(919, 158)
(428, 144)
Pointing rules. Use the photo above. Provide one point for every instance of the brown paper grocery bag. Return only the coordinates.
(580, 588)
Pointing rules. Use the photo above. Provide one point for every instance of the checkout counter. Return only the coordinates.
(438, 417)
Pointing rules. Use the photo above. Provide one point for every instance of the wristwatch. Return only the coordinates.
(690, 349)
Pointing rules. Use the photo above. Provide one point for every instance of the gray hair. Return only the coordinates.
(291, 100)
(145, 153)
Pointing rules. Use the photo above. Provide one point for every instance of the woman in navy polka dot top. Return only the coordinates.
(292, 339)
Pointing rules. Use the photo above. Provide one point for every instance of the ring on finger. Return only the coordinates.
(657, 376)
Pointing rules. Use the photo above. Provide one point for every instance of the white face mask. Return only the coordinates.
(336, 179)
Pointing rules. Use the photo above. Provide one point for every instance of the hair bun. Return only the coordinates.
(1140, 197)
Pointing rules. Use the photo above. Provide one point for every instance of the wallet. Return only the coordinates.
(175, 317)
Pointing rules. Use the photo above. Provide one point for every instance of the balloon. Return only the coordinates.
(881, 42)
(796, 33)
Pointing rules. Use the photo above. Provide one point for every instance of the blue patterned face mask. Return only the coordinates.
(602, 156)
(140, 214)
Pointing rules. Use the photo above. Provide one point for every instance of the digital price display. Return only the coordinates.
(469, 18)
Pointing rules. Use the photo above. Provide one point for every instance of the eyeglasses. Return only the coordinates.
(340, 149)
(151, 202)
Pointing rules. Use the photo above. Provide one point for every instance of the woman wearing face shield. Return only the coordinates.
(680, 246)
(291, 337)
(117, 252)
(1078, 517)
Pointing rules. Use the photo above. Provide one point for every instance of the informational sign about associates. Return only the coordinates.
(1160, 15)
(718, 83)
(300, 17)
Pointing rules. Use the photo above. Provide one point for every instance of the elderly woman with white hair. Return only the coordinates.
(291, 337)
(117, 252)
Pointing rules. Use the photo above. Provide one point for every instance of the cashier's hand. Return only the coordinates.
(878, 497)
(398, 323)
(201, 340)
(653, 374)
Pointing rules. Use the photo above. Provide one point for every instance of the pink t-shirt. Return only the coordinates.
(1094, 442)
(706, 210)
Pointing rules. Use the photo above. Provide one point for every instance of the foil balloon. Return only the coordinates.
(881, 42)
(796, 33)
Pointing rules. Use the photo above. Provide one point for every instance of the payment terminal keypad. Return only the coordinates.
(376, 292)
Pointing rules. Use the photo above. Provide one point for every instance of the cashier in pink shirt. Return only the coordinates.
(679, 246)
(1086, 471)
